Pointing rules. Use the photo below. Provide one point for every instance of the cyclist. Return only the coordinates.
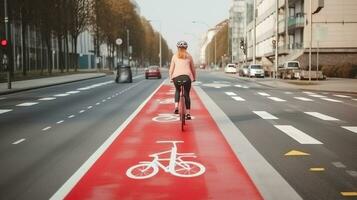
(182, 69)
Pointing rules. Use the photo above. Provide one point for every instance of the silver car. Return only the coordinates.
(256, 70)
(244, 71)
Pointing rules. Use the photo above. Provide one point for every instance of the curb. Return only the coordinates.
(49, 85)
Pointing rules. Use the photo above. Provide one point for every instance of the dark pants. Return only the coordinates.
(187, 88)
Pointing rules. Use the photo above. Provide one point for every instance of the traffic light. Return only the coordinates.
(4, 44)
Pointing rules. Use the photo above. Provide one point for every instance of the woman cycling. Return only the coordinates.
(182, 69)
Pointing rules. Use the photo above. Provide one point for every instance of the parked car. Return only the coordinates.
(230, 68)
(243, 71)
(256, 70)
(293, 70)
(153, 71)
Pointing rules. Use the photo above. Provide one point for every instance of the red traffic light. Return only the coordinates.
(4, 42)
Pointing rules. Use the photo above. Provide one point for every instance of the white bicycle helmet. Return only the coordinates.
(182, 44)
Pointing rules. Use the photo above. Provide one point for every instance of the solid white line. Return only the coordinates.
(342, 96)
(271, 185)
(238, 98)
(350, 128)
(69, 117)
(60, 122)
(73, 92)
(71, 182)
(61, 95)
(276, 99)
(264, 94)
(332, 100)
(82, 111)
(265, 115)
(303, 99)
(317, 96)
(27, 104)
(5, 111)
(19, 141)
(322, 116)
(47, 99)
(47, 128)
(298, 135)
(230, 93)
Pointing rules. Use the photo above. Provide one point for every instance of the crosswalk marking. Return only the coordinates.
(238, 98)
(332, 100)
(27, 104)
(317, 96)
(322, 116)
(264, 94)
(47, 99)
(276, 99)
(350, 128)
(5, 111)
(342, 96)
(297, 135)
(230, 93)
(303, 99)
(265, 115)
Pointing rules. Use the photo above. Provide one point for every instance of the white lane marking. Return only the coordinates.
(47, 99)
(97, 104)
(19, 141)
(297, 135)
(90, 107)
(82, 111)
(276, 99)
(113, 96)
(61, 95)
(230, 93)
(71, 116)
(27, 104)
(85, 88)
(350, 128)
(317, 96)
(354, 99)
(288, 92)
(117, 94)
(238, 98)
(265, 115)
(321, 116)
(264, 94)
(47, 128)
(5, 111)
(332, 100)
(73, 180)
(309, 92)
(73, 92)
(2, 98)
(339, 164)
(238, 86)
(245, 87)
(342, 96)
(60, 122)
(303, 99)
(109, 98)
(352, 173)
(104, 100)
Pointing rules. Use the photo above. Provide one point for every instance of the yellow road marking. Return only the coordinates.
(349, 194)
(296, 153)
(317, 169)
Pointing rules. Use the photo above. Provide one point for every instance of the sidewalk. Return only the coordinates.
(45, 82)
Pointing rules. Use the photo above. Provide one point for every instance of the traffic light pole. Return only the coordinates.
(6, 19)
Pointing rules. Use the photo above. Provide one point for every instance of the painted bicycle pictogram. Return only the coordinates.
(176, 166)
(166, 117)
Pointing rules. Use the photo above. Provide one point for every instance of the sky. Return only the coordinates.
(176, 18)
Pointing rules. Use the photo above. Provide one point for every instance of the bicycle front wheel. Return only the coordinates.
(188, 169)
(142, 171)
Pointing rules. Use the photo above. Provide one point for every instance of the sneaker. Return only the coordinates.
(188, 116)
(176, 111)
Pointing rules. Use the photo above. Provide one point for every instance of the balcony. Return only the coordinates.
(296, 22)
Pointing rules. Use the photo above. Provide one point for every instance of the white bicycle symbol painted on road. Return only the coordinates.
(176, 166)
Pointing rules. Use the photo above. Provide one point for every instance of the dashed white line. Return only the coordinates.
(109, 98)
(19, 141)
(350, 128)
(60, 122)
(71, 116)
(265, 115)
(238, 86)
(90, 107)
(332, 100)
(82, 111)
(354, 99)
(47, 128)
(321, 116)
(5, 111)
(47, 99)
(61, 95)
(352, 173)
(297, 135)
(303, 99)
(342, 96)
(73, 92)
(230, 93)
(104, 100)
(309, 92)
(27, 104)
(264, 94)
(238, 98)
(85, 88)
(2, 98)
(317, 96)
(288, 92)
(276, 99)
(97, 104)
(339, 165)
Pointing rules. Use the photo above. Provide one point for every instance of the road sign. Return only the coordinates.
(119, 41)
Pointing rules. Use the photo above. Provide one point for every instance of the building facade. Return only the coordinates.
(237, 26)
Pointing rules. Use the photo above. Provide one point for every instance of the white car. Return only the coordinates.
(230, 68)
(256, 70)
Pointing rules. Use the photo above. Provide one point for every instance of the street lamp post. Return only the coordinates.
(6, 20)
(160, 42)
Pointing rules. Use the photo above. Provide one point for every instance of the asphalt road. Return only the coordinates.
(43, 144)
(267, 116)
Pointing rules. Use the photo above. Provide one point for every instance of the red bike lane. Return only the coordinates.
(223, 177)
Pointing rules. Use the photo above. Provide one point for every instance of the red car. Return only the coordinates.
(153, 71)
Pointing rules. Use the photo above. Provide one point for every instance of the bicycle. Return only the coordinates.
(176, 166)
(182, 105)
